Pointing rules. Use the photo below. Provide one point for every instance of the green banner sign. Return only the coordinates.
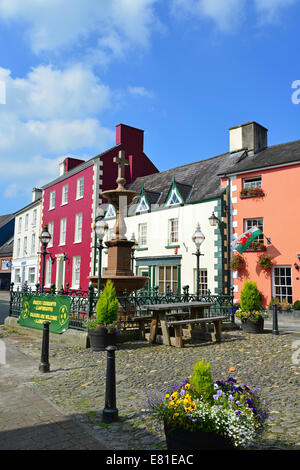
(36, 309)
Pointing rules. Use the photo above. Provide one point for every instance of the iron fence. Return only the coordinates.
(83, 303)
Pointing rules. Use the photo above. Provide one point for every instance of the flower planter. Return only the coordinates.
(251, 327)
(181, 439)
(100, 339)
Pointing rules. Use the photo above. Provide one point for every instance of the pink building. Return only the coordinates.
(70, 202)
(263, 191)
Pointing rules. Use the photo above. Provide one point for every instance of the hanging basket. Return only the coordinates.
(237, 263)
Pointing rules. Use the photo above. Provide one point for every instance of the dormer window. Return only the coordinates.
(110, 212)
(174, 197)
(142, 205)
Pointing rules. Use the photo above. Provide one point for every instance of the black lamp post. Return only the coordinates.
(99, 228)
(45, 238)
(198, 238)
(132, 239)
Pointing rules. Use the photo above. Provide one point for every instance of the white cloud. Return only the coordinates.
(140, 91)
(226, 14)
(55, 24)
(47, 114)
(268, 10)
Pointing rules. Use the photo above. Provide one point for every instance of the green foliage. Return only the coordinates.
(250, 297)
(296, 305)
(202, 380)
(107, 305)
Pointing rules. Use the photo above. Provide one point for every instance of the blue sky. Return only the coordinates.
(185, 71)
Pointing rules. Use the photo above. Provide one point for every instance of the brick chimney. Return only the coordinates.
(249, 136)
(132, 137)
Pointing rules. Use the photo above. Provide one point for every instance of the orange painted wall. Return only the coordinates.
(280, 210)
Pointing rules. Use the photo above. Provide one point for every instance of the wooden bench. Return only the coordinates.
(142, 320)
(178, 324)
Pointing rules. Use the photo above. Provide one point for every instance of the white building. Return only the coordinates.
(26, 243)
(164, 219)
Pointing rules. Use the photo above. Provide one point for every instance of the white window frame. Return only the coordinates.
(20, 225)
(80, 188)
(164, 281)
(76, 272)
(18, 247)
(281, 296)
(64, 194)
(203, 281)
(50, 230)
(26, 221)
(251, 183)
(143, 206)
(142, 235)
(25, 246)
(34, 217)
(78, 228)
(259, 223)
(31, 272)
(63, 231)
(48, 272)
(173, 233)
(18, 275)
(33, 244)
(110, 212)
(52, 200)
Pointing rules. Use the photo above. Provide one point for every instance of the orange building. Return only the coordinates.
(264, 191)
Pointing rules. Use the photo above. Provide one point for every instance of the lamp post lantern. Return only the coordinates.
(198, 238)
(100, 227)
(213, 220)
(45, 238)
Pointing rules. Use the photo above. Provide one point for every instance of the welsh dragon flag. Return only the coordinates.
(241, 243)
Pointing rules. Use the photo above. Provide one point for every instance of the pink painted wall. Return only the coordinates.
(279, 209)
(69, 211)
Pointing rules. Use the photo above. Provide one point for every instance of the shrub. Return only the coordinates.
(202, 380)
(250, 297)
(107, 305)
(296, 305)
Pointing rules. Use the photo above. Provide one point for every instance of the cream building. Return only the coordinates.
(164, 218)
(26, 243)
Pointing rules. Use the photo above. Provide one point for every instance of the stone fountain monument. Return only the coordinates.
(119, 248)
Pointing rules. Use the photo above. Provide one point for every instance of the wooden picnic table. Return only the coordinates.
(159, 314)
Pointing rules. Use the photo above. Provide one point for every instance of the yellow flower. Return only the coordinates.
(186, 402)
(174, 395)
(171, 404)
(188, 409)
(187, 386)
(175, 415)
(167, 396)
(178, 402)
(193, 405)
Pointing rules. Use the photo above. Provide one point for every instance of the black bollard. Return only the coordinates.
(275, 321)
(44, 364)
(110, 412)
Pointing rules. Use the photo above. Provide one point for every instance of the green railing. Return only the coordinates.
(83, 303)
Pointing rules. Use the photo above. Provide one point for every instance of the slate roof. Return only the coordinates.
(271, 156)
(4, 219)
(195, 181)
(7, 248)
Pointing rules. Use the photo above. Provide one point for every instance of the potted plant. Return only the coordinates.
(264, 262)
(237, 263)
(251, 314)
(201, 414)
(257, 246)
(103, 328)
(296, 305)
(251, 192)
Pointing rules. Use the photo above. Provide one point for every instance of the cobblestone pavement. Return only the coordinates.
(76, 383)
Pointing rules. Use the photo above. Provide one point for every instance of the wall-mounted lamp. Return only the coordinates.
(65, 256)
(296, 266)
(213, 220)
(53, 259)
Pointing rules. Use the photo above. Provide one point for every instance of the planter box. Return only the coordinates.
(100, 339)
(250, 327)
(180, 439)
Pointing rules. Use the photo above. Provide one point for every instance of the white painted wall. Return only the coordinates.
(24, 262)
(157, 238)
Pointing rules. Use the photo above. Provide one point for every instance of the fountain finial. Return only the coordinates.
(121, 162)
